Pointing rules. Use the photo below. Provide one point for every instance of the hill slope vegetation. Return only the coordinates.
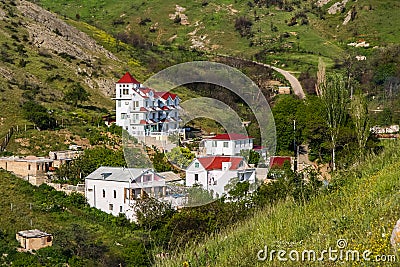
(360, 206)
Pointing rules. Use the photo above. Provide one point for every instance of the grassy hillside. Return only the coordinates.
(210, 24)
(43, 72)
(82, 236)
(292, 33)
(42, 57)
(361, 207)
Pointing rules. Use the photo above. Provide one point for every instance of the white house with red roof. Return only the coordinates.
(228, 144)
(142, 111)
(213, 173)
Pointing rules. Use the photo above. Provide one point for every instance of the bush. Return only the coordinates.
(243, 26)
(76, 94)
(38, 115)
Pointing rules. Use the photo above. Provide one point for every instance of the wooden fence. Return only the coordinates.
(15, 129)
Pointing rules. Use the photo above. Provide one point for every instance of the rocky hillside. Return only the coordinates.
(42, 57)
(47, 32)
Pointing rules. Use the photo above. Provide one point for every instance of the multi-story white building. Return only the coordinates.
(213, 173)
(142, 111)
(115, 189)
(227, 144)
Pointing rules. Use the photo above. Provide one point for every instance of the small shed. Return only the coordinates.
(34, 239)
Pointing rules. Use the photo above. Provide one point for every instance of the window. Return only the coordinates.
(110, 206)
(146, 178)
(226, 144)
(214, 143)
(29, 167)
(115, 194)
(119, 103)
(123, 116)
(125, 91)
(196, 165)
(120, 208)
(196, 177)
(38, 167)
(104, 193)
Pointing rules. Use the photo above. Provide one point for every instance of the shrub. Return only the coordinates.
(243, 26)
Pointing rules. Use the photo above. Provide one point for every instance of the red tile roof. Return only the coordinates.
(231, 136)
(278, 161)
(128, 78)
(145, 90)
(215, 163)
(165, 95)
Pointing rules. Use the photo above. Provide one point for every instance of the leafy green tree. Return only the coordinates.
(284, 111)
(180, 156)
(359, 114)
(197, 196)
(39, 115)
(313, 129)
(152, 213)
(76, 94)
(91, 159)
(160, 161)
(334, 98)
(251, 156)
(238, 190)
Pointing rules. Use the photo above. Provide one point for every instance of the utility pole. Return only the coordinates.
(294, 146)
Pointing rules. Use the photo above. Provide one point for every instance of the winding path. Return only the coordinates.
(294, 83)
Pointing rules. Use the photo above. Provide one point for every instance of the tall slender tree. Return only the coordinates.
(359, 114)
(334, 97)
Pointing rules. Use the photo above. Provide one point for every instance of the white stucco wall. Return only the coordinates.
(233, 149)
(94, 194)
